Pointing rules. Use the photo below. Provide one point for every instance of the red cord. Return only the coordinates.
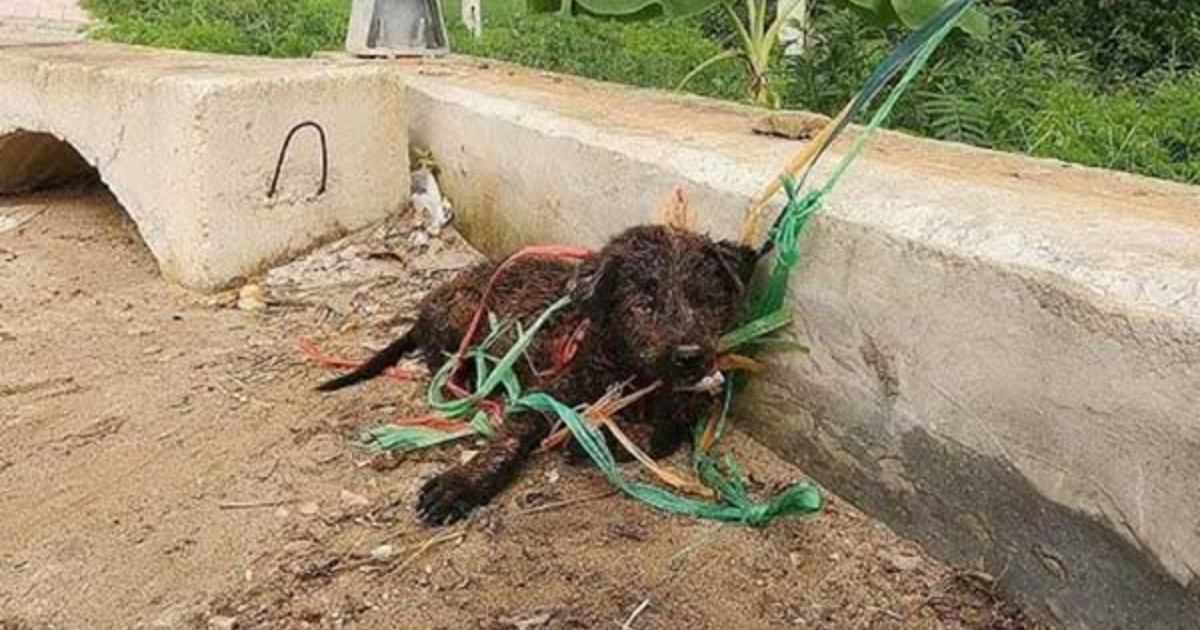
(559, 251)
(435, 422)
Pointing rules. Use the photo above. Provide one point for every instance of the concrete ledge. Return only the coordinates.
(1005, 353)
(188, 143)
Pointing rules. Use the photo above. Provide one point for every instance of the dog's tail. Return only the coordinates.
(374, 366)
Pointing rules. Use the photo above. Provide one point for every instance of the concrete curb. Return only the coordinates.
(1005, 355)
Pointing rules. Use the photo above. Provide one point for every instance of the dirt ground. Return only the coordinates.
(165, 464)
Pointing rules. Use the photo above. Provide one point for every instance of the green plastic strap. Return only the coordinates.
(490, 373)
(754, 330)
(923, 40)
(391, 437)
(734, 505)
(784, 235)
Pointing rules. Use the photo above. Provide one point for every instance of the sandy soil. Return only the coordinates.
(164, 464)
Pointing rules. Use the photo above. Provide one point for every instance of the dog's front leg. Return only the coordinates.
(452, 494)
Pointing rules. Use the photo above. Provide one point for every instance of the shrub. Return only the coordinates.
(1150, 131)
(657, 53)
(1123, 39)
(1015, 91)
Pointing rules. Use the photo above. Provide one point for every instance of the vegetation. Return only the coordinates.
(277, 28)
(758, 36)
(658, 53)
(1100, 82)
(914, 13)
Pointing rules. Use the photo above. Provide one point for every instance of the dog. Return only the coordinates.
(653, 303)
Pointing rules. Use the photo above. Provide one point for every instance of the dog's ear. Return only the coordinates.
(591, 288)
(738, 262)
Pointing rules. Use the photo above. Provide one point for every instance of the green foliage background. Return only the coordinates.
(277, 28)
(1107, 83)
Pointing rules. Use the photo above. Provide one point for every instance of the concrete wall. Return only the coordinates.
(1005, 354)
(188, 143)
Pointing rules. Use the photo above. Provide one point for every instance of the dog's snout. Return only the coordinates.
(689, 358)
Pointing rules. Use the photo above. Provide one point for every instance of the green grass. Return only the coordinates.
(276, 28)
(1154, 131)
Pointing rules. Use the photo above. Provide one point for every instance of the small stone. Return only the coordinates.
(529, 623)
(174, 617)
(152, 350)
(282, 512)
(311, 508)
(387, 460)
(251, 290)
(252, 298)
(224, 299)
(297, 547)
(792, 125)
(382, 552)
(901, 562)
(552, 475)
(140, 331)
(351, 499)
(223, 623)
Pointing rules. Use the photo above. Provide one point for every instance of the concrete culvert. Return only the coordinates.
(31, 161)
(189, 143)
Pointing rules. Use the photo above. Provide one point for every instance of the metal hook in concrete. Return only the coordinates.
(283, 154)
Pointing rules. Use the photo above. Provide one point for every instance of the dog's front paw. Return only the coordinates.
(449, 497)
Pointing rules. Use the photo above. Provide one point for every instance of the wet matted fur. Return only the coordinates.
(654, 301)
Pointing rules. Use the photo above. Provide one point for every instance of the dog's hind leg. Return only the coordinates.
(454, 493)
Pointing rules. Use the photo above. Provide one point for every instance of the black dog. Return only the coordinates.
(654, 302)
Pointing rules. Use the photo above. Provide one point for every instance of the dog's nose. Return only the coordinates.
(689, 359)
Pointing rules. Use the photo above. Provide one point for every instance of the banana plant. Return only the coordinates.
(913, 13)
(756, 44)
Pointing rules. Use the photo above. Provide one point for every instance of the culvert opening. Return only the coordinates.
(39, 171)
(32, 161)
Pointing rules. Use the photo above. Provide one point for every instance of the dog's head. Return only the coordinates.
(661, 297)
